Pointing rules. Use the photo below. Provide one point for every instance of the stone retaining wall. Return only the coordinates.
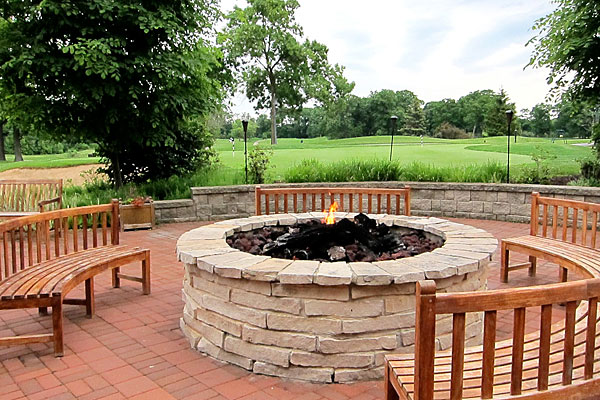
(319, 334)
(502, 202)
(175, 211)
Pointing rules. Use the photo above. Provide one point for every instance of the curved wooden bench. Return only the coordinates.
(567, 237)
(29, 197)
(357, 199)
(556, 362)
(43, 259)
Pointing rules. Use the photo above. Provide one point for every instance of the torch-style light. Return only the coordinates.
(509, 117)
(245, 126)
(393, 120)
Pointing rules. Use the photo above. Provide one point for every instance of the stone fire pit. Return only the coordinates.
(319, 321)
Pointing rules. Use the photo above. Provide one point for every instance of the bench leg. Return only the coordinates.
(504, 263)
(116, 281)
(146, 274)
(90, 305)
(43, 311)
(390, 391)
(533, 267)
(57, 326)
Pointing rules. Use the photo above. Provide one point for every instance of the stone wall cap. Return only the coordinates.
(473, 247)
(160, 204)
(222, 189)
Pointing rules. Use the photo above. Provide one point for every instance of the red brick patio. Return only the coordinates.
(133, 348)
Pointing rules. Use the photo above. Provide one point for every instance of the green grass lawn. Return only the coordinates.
(407, 149)
(49, 160)
(562, 157)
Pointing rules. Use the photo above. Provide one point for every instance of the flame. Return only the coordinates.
(330, 218)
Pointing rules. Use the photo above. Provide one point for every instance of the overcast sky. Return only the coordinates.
(436, 48)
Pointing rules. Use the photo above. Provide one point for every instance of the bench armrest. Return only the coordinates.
(43, 203)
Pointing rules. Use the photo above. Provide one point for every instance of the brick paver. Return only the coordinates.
(133, 348)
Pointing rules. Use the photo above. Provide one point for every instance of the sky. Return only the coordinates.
(435, 48)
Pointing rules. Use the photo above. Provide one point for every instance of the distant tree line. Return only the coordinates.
(567, 118)
(479, 113)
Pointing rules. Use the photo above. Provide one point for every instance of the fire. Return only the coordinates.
(330, 218)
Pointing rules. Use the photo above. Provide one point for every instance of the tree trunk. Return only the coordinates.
(273, 118)
(474, 127)
(2, 151)
(17, 147)
(116, 167)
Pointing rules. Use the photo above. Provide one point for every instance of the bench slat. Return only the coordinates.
(489, 341)
(544, 356)
(590, 338)
(458, 348)
(569, 342)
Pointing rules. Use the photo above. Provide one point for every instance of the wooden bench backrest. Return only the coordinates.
(25, 195)
(567, 220)
(429, 304)
(29, 240)
(277, 200)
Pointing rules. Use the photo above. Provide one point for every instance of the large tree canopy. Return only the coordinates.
(263, 44)
(474, 108)
(131, 76)
(568, 42)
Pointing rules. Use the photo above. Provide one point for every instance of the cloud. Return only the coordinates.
(435, 48)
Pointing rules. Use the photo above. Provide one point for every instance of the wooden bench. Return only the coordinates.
(44, 256)
(27, 197)
(390, 201)
(565, 233)
(556, 362)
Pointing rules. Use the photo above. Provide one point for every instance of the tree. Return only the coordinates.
(495, 119)
(541, 124)
(474, 107)
(17, 144)
(2, 150)
(3, 121)
(373, 113)
(568, 43)
(575, 118)
(438, 112)
(263, 45)
(136, 77)
(525, 119)
(414, 120)
(237, 130)
(263, 126)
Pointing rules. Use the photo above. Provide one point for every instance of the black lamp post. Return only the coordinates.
(509, 117)
(394, 120)
(245, 126)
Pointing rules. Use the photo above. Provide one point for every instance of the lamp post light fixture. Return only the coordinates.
(393, 120)
(245, 126)
(509, 117)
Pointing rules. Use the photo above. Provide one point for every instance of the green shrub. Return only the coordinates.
(381, 170)
(259, 159)
(590, 169)
(448, 131)
(541, 172)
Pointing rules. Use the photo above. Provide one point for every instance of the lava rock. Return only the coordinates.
(336, 253)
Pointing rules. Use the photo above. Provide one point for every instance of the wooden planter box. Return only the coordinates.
(137, 217)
